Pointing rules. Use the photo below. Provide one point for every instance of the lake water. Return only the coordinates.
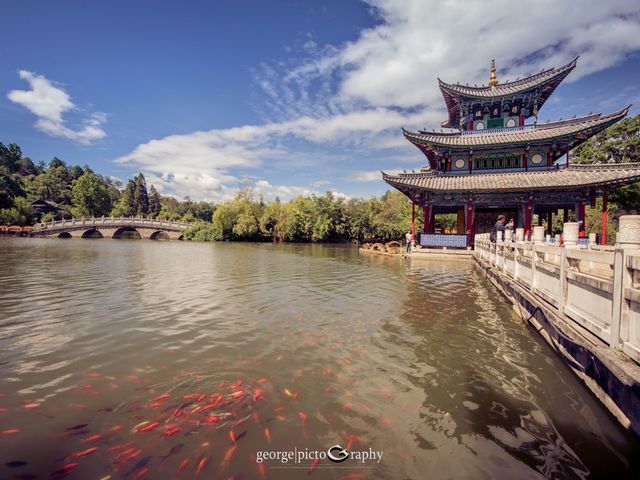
(142, 359)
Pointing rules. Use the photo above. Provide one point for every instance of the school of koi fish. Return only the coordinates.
(197, 421)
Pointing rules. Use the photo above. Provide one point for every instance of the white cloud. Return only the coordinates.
(359, 94)
(371, 175)
(49, 102)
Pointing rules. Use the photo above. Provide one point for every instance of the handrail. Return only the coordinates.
(96, 221)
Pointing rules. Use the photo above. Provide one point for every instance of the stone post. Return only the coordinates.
(570, 233)
(499, 236)
(508, 235)
(627, 244)
(519, 234)
(538, 235)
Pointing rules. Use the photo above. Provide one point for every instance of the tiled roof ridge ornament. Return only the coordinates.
(493, 81)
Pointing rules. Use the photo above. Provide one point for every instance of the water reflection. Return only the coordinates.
(426, 362)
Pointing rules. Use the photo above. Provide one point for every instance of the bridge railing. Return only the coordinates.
(597, 288)
(106, 221)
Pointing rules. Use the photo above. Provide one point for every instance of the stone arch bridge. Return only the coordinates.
(111, 227)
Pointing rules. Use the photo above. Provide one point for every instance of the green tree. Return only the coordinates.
(90, 196)
(619, 143)
(126, 206)
(154, 202)
(140, 196)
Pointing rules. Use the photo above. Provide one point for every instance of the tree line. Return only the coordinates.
(79, 191)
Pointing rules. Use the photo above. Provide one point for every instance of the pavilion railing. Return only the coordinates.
(595, 287)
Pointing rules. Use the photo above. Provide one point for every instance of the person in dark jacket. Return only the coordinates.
(499, 227)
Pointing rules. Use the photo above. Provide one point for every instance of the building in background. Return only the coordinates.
(501, 160)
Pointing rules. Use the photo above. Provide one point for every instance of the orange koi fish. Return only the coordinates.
(148, 428)
(267, 434)
(183, 465)
(232, 436)
(257, 395)
(263, 471)
(263, 380)
(290, 394)
(141, 473)
(229, 455)
(303, 418)
(314, 465)
(201, 465)
(170, 432)
(82, 453)
(10, 431)
(115, 428)
(162, 397)
(64, 470)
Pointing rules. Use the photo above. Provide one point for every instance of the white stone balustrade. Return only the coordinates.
(597, 288)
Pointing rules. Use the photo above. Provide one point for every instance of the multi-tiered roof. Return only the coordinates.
(498, 137)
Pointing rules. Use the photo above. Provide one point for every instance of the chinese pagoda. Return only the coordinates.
(502, 161)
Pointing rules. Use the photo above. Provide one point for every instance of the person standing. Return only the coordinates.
(498, 227)
(408, 239)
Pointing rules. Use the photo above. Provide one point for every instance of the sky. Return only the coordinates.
(284, 97)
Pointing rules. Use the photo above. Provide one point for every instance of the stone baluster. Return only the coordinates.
(538, 235)
(627, 244)
(519, 234)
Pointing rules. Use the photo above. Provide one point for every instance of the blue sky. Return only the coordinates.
(284, 97)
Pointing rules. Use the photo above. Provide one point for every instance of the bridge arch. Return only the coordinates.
(159, 235)
(128, 233)
(92, 233)
(65, 235)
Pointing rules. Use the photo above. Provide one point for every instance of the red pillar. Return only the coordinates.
(550, 223)
(527, 217)
(413, 220)
(581, 217)
(470, 162)
(469, 223)
(605, 201)
(432, 220)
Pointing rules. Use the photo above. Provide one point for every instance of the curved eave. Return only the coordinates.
(547, 81)
(607, 177)
(510, 88)
(583, 127)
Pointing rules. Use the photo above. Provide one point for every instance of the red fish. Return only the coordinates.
(131, 456)
(262, 470)
(82, 453)
(183, 465)
(229, 455)
(148, 428)
(210, 419)
(141, 473)
(115, 428)
(161, 397)
(64, 470)
(171, 432)
(314, 465)
(257, 395)
(10, 431)
(201, 465)
(232, 436)
(303, 418)
(267, 434)
(347, 406)
(263, 380)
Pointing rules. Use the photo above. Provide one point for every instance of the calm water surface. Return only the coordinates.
(140, 359)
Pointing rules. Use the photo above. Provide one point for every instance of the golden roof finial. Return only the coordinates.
(493, 81)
